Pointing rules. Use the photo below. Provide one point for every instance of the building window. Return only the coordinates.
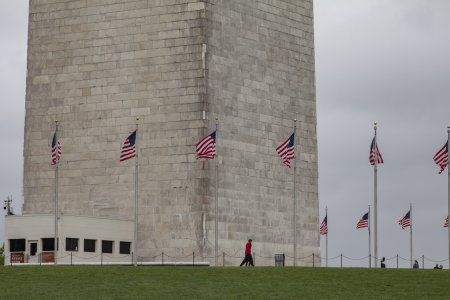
(107, 246)
(125, 247)
(71, 244)
(48, 244)
(17, 245)
(33, 249)
(89, 245)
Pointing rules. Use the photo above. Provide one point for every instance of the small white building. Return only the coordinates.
(81, 240)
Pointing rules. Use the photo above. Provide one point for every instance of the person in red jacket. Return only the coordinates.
(248, 259)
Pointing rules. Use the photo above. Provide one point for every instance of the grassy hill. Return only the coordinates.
(127, 282)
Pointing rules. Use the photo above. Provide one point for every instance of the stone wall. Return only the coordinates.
(260, 78)
(96, 65)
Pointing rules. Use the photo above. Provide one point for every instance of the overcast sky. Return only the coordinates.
(385, 61)
(13, 56)
(376, 60)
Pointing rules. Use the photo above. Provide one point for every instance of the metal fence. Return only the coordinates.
(224, 260)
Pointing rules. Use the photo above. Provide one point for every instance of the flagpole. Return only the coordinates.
(55, 259)
(326, 238)
(136, 180)
(375, 204)
(448, 192)
(410, 235)
(368, 227)
(216, 223)
(295, 201)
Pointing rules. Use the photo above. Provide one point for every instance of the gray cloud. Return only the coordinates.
(384, 61)
(13, 47)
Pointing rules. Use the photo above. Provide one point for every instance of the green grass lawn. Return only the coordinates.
(127, 282)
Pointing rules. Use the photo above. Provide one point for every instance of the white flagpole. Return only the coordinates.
(55, 259)
(448, 192)
(375, 204)
(326, 238)
(295, 201)
(368, 227)
(410, 235)
(216, 204)
(136, 196)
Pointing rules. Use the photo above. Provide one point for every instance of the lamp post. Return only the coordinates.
(7, 206)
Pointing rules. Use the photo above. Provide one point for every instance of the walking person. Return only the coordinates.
(248, 259)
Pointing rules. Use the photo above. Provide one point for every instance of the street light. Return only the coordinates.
(8, 207)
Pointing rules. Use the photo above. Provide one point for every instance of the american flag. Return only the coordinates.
(56, 150)
(372, 154)
(441, 157)
(446, 222)
(324, 227)
(206, 148)
(286, 150)
(128, 147)
(364, 222)
(406, 221)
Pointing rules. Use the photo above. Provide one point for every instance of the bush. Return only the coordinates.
(2, 255)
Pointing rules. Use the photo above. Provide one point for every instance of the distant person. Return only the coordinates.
(416, 264)
(248, 259)
(436, 266)
(441, 267)
(383, 265)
